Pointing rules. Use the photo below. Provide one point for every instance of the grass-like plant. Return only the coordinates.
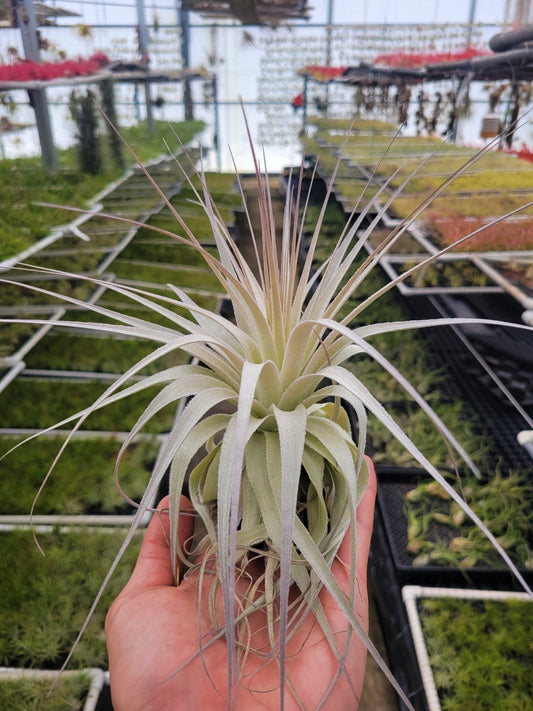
(480, 652)
(18, 405)
(264, 446)
(106, 355)
(27, 694)
(505, 501)
(81, 482)
(46, 598)
(25, 180)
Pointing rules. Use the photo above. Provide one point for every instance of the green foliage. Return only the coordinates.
(125, 305)
(222, 186)
(13, 335)
(25, 180)
(108, 107)
(352, 125)
(419, 428)
(82, 481)
(35, 695)
(439, 533)
(17, 294)
(84, 113)
(449, 274)
(146, 144)
(62, 399)
(61, 351)
(76, 261)
(150, 247)
(481, 653)
(45, 599)
(494, 185)
(184, 277)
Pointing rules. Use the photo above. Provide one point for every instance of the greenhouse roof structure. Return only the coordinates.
(44, 14)
(251, 12)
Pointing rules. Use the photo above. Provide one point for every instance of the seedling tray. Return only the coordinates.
(28, 689)
(482, 645)
(509, 353)
(393, 485)
(45, 599)
(81, 489)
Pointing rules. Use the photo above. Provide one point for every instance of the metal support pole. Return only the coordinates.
(143, 49)
(470, 24)
(183, 20)
(329, 28)
(38, 101)
(216, 139)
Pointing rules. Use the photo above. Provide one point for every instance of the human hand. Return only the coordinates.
(152, 631)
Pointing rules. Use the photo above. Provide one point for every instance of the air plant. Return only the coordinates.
(262, 441)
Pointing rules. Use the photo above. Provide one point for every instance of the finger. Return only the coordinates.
(365, 520)
(154, 566)
(365, 523)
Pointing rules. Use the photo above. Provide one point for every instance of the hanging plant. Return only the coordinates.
(84, 31)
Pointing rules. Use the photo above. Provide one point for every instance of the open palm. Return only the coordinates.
(152, 632)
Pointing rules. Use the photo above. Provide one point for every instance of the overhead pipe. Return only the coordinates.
(507, 40)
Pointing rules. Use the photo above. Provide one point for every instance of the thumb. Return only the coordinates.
(364, 526)
(154, 566)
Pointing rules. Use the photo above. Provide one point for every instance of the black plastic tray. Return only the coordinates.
(393, 485)
(385, 593)
(468, 381)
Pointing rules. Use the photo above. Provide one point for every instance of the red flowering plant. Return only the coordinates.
(323, 73)
(415, 60)
(21, 71)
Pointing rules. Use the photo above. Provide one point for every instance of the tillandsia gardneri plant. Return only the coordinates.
(262, 440)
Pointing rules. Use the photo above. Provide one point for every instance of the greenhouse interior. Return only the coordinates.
(292, 243)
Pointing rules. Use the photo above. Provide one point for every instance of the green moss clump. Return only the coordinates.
(182, 277)
(82, 481)
(480, 652)
(25, 181)
(60, 400)
(45, 599)
(35, 695)
(93, 355)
